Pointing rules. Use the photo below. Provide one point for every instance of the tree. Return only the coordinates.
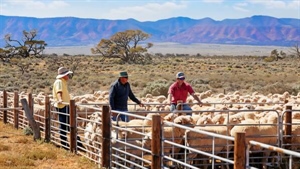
(124, 45)
(296, 50)
(277, 55)
(25, 48)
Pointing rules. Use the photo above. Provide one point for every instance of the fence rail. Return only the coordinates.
(123, 152)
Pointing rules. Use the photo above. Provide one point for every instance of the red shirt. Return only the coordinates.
(180, 93)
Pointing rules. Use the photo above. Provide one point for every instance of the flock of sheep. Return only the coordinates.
(259, 116)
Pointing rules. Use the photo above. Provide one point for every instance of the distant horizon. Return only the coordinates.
(144, 21)
(176, 48)
(256, 30)
(149, 10)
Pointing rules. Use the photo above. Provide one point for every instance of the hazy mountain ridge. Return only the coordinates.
(69, 31)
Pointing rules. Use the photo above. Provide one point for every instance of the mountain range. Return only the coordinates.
(72, 31)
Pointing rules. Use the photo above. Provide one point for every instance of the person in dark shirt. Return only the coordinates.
(118, 96)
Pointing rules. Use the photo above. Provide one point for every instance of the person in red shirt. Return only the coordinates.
(179, 91)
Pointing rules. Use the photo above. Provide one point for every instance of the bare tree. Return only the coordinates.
(296, 50)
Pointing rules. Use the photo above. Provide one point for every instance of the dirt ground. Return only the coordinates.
(18, 151)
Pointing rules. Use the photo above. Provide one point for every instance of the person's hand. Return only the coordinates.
(141, 105)
(200, 104)
(59, 101)
(114, 114)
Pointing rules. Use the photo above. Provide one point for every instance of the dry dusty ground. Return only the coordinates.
(18, 151)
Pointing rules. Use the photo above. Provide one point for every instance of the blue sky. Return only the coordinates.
(146, 10)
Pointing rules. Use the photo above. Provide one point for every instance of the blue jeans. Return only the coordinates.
(63, 118)
(122, 116)
(185, 107)
(63, 128)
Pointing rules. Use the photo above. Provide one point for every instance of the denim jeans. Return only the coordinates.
(63, 118)
(121, 116)
(185, 107)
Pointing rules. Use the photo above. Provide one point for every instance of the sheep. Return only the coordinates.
(204, 120)
(132, 133)
(218, 119)
(203, 142)
(170, 116)
(92, 136)
(255, 130)
(161, 98)
(170, 133)
(224, 129)
(295, 137)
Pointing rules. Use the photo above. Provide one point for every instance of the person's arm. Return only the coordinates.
(170, 98)
(133, 98)
(197, 98)
(170, 95)
(59, 97)
(192, 92)
(57, 88)
(112, 93)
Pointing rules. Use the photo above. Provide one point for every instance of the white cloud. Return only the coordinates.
(147, 11)
(277, 4)
(213, 1)
(38, 5)
(241, 7)
(58, 4)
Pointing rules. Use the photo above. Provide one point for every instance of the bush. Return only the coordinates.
(269, 59)
(157, 88)
(278, 87)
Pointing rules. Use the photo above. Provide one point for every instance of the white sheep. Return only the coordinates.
(92, 136)
(203, 142)
(170, 133)
(255, 131)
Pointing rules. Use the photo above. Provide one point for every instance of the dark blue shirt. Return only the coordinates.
(118, 96)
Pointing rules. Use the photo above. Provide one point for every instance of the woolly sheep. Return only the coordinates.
(203, 142)
(255, 131)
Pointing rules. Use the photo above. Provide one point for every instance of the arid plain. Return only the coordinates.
(220, 73)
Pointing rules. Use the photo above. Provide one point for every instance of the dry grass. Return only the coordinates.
(217, 73)
(20, 151)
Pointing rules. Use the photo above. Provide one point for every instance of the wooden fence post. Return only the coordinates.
(4, 106)
(106, 127)
(47, 119)
(32, 122)
(288, 127)
(30, 104)
(16, 111)
(240, 151)
(73, 133)
(156, 141)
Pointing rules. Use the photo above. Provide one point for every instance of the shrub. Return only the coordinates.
(278, 87)
(269, 59)
(157, 88)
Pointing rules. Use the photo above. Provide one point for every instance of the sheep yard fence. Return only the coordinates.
(154, 142)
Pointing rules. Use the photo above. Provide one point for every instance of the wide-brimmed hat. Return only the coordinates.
(123, 74)
(180, 75)
(62, 71)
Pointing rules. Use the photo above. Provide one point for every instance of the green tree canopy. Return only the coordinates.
(125, 45)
